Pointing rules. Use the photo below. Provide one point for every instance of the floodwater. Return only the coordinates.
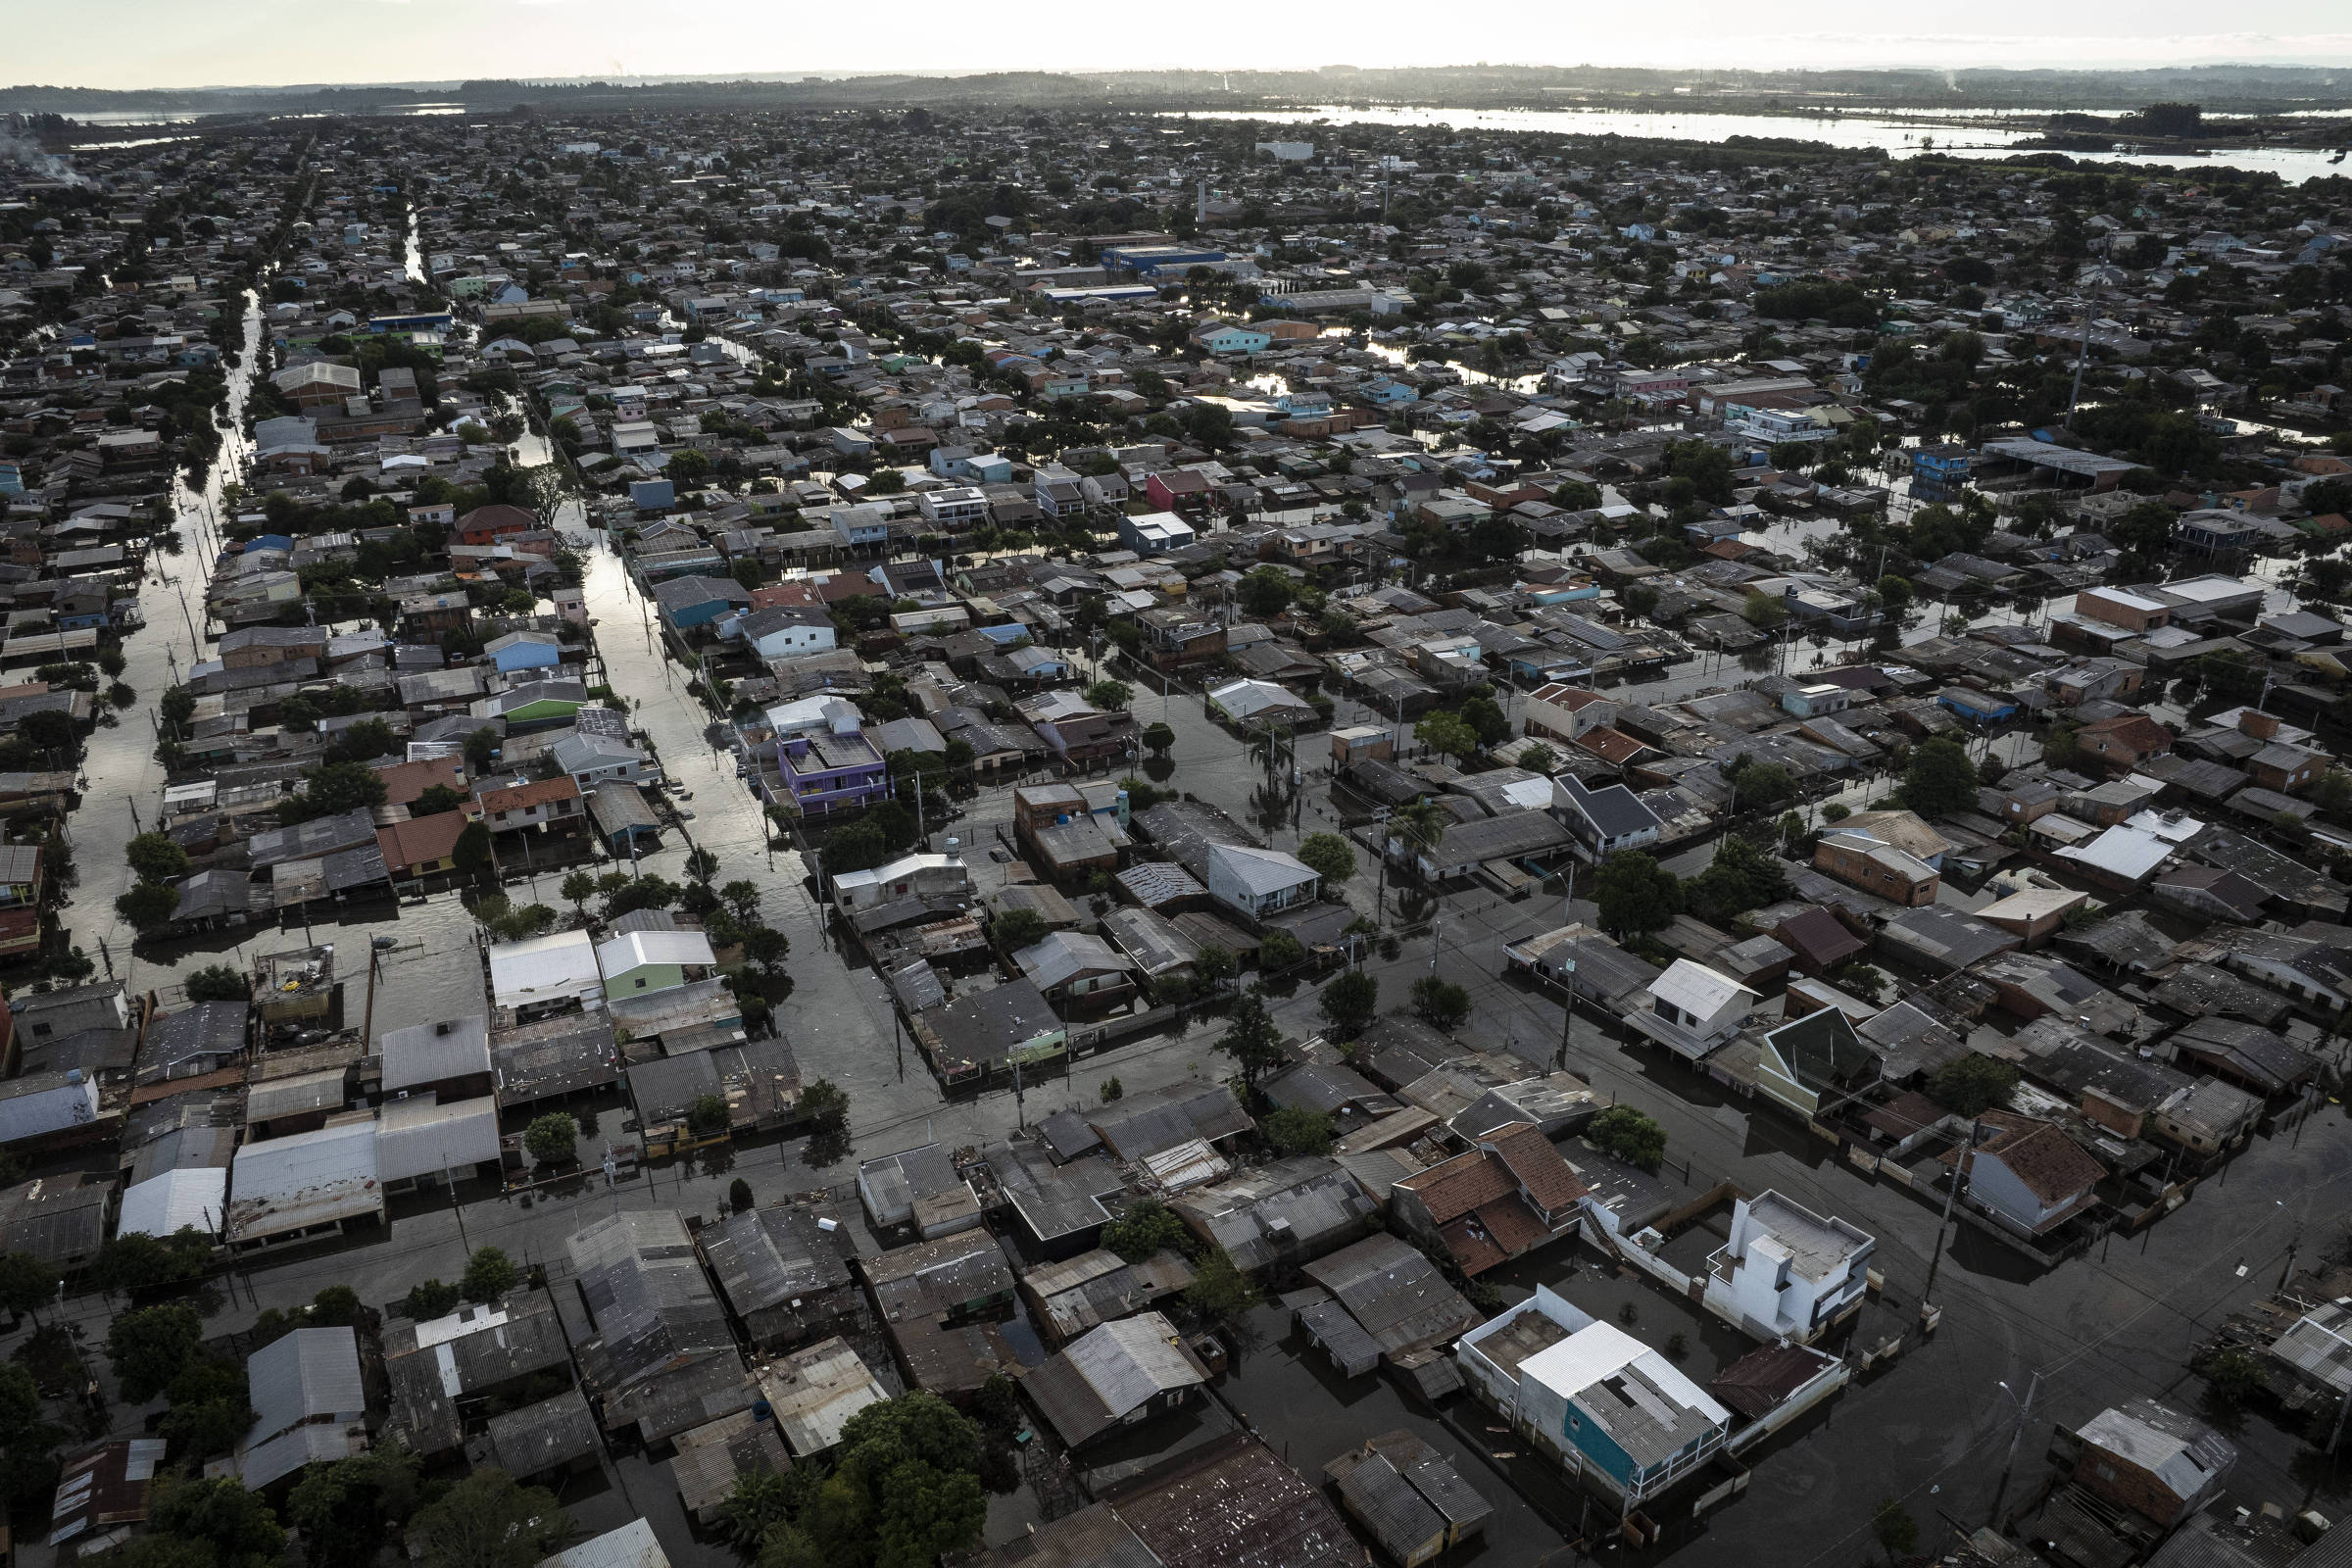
(1905, 137)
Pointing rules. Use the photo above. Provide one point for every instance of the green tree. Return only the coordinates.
(1278, 951)
(1158, 738)
(156, 857)
(1215, 967)
(1350, 1000)
(489, 1275)
(1939, 779)
(481, 750)
(1016, 929)
(429, 1300)
(1762, 611)
(488, 1520)
(134, 1261)
(27, 1282)
(709, 1117)
(1144, 1227)
(761, 1501)
(1330, 857)
(1110, 695)
(1251, 1038)
(146, 905)
(905, 1487)
(227, 1525)
(1971, 1085)
(1422, 826)
(1221, 1292)
(1446, 734)
(1265, 592)
(345, 1510)
(436, 800)
(1636, 894)
(1893, 1527)
(148, 1346)
(1441, 1003)
(1485, 716)
(552, 1139)
(1296, 1130)
(579, 887)
(341, 787)
(1627, 1134)
(217, 982)
(472, 851)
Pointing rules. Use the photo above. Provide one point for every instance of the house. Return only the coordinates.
(545, 974)
(1602, 820)
(310, 1405)
(2028, 1174)
(523, 650)
(2034, 914)
(1155, 533)
(1814, 1060)
(1612, 1412)
(693, 600)
(2147, 1457)
(1786, 1274)
(446, 1369)
(1508, 1195)
(662, 1358)
(1078, 972)
(1230, 1502)
(1230, 337)
(1691, 1010)
(829, 770)
(1386, 1300)
(785, 630)
(1406, 1493)
(1117, 1374)
(2124, 742)
(509, 807)
(654, 961)
(781, 1274)
(451, 1057)
(1562, 712)
(1861, 859)
(102, 1495)
(922, 876)
(1256, 883)
(1250, 703)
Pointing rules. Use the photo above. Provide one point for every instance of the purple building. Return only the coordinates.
(829, 770)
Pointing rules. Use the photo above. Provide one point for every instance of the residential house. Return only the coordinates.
(1691, 1010)
(1786, 1274)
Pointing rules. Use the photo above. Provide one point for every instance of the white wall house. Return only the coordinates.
(1692, 1010)
(1786, 1273)
(1259, 882)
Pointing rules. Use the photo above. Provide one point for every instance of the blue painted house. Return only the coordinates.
(1978, 707)
(697, 601)
(524, 650)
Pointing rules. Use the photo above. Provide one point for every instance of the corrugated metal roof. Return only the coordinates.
(418, 1136)
(188, 1194)
(309, 1179)
(301, 1375)
(814, 1391)
(632, 1545)
(429, 1052)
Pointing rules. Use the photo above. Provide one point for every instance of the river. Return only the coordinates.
(1905, 137)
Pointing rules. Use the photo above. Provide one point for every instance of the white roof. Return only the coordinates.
(904, 865)
(1600, 1350)
(2205, 590)
(428, 1052)
(1696, 989)
(418, 1136)
(544, 970)
(307, 1179)
(632, 1545)
(633, 949)
(188, 1194)
(2122, 851)
(1260, 871)
(1244, 698)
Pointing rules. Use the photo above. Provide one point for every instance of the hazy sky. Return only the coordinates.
(180, 43)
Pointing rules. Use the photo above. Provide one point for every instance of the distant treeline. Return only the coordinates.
(2244, 90)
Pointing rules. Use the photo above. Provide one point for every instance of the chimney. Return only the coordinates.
(2262, 726)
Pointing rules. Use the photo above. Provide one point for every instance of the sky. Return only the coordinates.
(189, 43)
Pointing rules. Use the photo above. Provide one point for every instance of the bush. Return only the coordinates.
(1293, 1130)
(217, 982)
(1146, 1226)
(1972, 1085)
(1441, 1003)
(1279, 950)
(430, 1299)
(709, 1117)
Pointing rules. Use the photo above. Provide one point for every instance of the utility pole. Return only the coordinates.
(1959, 1173)
(2017, 1435)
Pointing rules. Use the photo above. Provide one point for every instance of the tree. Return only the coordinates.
(435, 800)
(905, 1482)
(1760, 786)
(1971, 1085)
(761, 1501)
(156, 857)
(579, 887)
(1349, 1001)
(489, 1520)
(217, 982)
(1265, 592)
(1538, 758)
(147, 1347)
(489, 1274)
(481, 750)
(2234, 1376)
(1441, 1003)
(1762, 611)
(1251, 1038)
(826, 1105)
(147, 905)
(1330, 857)
(742, 895)
(1896, 1531)
(346, 1509)
(472, 851)
(336, 1306)
(1624, 1133)
(701, 865)
(1448, 734)
(1144, 1227)
(135, 1261)
(229, 1526)
(429, 1300)
(1296, 1130)
(25, 1282)
(1422, 826)
(1939, 779)
(1486, 716)
(709, 1117)
(1110, 695)
(1015, 929)
(1636, 894)
(1278, 951)
(1221, 1292)
(1157, 738)
(1215, 967)
(552, 1139)
(341, 787)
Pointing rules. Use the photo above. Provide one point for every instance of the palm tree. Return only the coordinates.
(1422, 826)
